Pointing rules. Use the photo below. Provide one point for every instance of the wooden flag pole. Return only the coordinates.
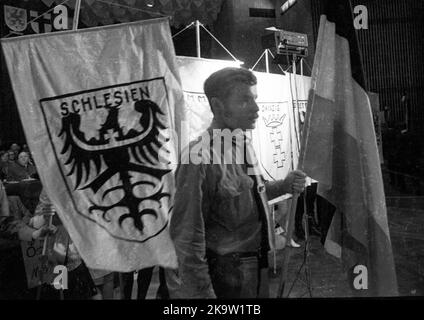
(290, 229)
(76, 15)
(46, 238)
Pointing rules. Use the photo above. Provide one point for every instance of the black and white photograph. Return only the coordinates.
(211, 156)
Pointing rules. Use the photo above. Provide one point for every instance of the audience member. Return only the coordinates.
(4, 163)
(12, 156)
(13, 229)
(20, 170)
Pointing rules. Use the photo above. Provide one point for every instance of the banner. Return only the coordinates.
(281, 100)
(279, 97)
(38, 268)
(99, 107)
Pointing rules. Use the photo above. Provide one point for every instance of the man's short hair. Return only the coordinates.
(23, 152)
(220, 83)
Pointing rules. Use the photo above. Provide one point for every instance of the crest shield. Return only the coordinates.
(111, 147)
(273, 140)
(15, 18)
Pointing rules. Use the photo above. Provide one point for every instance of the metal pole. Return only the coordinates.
(76, 15)
(282, 288)
(197, 24)
(301, 67)
(266, 61)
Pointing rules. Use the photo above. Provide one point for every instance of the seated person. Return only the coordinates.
(12, 273)
(14, 227)
(4, 163)
(11, 156)
(15, 148)
(21, 169)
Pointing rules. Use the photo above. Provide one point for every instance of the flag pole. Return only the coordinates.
(283, 279)
(266, 61)
(197, 25)
(46, 238)
(76, 15)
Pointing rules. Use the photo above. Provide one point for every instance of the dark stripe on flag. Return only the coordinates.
(340, 12)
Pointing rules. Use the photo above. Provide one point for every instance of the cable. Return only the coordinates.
(257, 61)
(31, 21)
(304, 60)
(213, 37)
(297, 102)
(181, 31)
(273, 57)
(294, 120)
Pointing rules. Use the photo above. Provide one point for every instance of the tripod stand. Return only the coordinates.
(306, 254)
(283, 292)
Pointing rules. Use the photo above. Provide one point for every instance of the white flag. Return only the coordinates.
(98, 107)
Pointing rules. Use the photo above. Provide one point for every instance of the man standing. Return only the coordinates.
(220, 224)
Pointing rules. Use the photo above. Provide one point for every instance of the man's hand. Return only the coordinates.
(295, 182)
(47, 209)
(37, 222)
(43, 232)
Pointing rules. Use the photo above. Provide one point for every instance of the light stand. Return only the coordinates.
(306, 253)
(283, 292)
(197, 24)
(266, 53)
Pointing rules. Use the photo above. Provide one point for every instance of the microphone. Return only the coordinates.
(287, 5)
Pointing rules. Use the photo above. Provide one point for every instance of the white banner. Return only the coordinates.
(38, 268)
(275, 137)
(98, 106)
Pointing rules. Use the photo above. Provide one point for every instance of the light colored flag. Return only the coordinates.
(98, 106)
(339, 150)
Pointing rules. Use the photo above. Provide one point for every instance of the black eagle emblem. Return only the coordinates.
(121, 154)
